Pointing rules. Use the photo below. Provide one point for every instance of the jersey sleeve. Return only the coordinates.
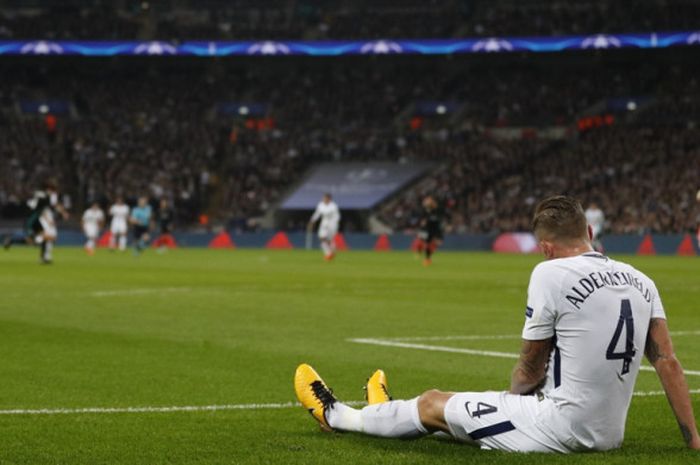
(540, 314)
(657, 307)
(316, 215)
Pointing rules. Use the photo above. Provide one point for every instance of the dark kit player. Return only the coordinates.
(430, 234)
(41, 224)
(164, 217)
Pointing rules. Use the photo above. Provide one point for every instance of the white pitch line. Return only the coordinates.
(486, 337)
(456, 350)
(182, 408)
(661, 393)
(473, 337)
(684, 333)
(208, 408)
(141, 291)
(459, 350)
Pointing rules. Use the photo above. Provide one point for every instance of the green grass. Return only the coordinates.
(233, 325)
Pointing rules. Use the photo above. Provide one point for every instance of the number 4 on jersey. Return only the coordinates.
(625, 322)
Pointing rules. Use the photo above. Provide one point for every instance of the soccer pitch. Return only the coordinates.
(138, 339)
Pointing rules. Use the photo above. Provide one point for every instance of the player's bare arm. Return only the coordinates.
(530, 371)
(659, 352)
(62, 210)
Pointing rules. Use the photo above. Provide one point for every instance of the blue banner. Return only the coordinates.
(354, 185)
(354, 47)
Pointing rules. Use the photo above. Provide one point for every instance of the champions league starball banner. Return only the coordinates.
(354, 47)
(353, 185)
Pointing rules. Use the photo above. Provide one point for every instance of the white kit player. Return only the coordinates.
(119, 226)
(329, 214)
(588, 322)
(596, 218)
(92, 222)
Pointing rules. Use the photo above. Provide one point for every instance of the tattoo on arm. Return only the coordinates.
(652, 349)
(685, 431)
(533, 357)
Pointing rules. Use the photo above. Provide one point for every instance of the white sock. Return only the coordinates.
(326, 248)
(344, 418)
(47, 250)
(90, 244)
(395, 419)
(122, 242)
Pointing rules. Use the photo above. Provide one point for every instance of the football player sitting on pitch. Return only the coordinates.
(586, 322)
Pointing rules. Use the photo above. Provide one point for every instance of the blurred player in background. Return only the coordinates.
(329, 214)
(164, 216)
(141, 221)
(596, 219)
(92, 222)
(430, 233)
(41, 226)
(119, 226)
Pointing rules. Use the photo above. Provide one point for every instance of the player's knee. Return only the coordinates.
(431, 407)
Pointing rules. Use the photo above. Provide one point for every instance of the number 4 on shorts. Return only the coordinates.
(482, 408)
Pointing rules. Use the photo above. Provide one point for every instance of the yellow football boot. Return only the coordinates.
(376, 390)
(313, 394)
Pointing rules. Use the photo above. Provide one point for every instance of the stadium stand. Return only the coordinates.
(229, 139)
(134, 128)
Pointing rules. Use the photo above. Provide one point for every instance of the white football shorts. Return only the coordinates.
(327, 232)
(500, 421)
(48, 225)
(118, 227)
(91, 230)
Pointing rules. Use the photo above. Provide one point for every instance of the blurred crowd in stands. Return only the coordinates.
(340, 19)
(158, 129)
(643, 178)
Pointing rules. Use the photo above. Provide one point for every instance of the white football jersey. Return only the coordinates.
(329, 214)
(93, 216)
(598, 312)
(119, 213)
